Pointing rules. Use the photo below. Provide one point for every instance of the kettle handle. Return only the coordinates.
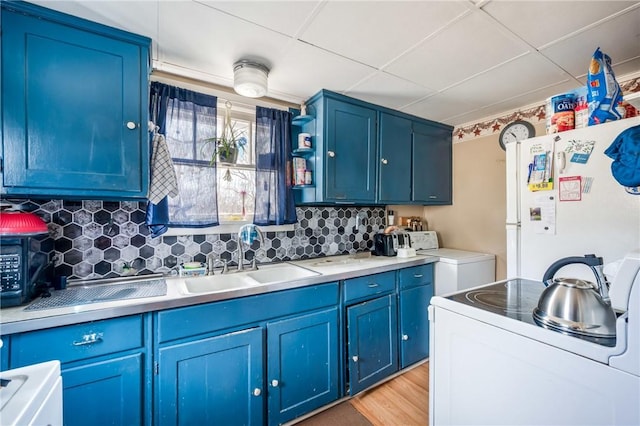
(588, 259)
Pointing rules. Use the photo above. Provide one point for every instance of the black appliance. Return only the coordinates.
(387, 244)
(19, 268)
(18, 271)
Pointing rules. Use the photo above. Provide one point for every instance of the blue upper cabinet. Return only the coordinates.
(74, 107)
(345, 149)
(394, 176)
(349, 154)
(367, 154)
(432, 164)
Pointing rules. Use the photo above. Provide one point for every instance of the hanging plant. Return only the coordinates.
(229, 142)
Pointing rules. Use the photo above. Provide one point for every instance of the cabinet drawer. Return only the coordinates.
(363, 287)
(190, 321)
(416, 275)
(77, 342)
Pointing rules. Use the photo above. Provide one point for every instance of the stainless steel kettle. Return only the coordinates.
(577, 307)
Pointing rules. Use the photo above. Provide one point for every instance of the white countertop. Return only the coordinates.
(329, 269)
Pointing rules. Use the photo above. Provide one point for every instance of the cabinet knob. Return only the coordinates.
(405, 337)
(257, 392)
(355, 358)
(331, 154)
(274, 383)
(384, 161)
(131, 125)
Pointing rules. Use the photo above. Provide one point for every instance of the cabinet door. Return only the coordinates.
(74, 110)
(414, 324)
(431, 168)
(349, 152)
(302, 369)
(216, 380)
(394, 159)
(372, 342)
(104, 393)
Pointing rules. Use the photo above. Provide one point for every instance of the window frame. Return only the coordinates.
(241, 105)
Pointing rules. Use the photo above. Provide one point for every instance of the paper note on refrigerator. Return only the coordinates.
(542, 214)
(579, 151)
(570, 188)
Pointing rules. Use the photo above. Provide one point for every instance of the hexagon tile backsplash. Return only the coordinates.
(97, 239)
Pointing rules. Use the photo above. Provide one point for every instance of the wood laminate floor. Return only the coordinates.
(402, 401)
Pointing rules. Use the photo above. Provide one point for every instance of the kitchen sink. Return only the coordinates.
(280, 272)
(267, 274)
(218, 283)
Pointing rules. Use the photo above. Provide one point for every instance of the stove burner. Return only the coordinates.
(515, 298)
(497, 300)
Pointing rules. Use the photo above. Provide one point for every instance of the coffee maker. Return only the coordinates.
(19, 268)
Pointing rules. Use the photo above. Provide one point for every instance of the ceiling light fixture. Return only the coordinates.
(250, 78)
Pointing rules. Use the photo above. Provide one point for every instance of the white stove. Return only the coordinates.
(456, 269)
(31, 395)
(490, 363)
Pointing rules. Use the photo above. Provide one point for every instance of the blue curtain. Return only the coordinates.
(186, 119)
(275, 204)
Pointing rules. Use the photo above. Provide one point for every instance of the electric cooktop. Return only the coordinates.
(514, 298)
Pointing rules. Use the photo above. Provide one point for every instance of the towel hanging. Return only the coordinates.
(163, 176)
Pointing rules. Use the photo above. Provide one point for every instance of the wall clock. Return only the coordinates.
(516, 131)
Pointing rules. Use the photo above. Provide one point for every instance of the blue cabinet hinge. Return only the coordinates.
(156, 368)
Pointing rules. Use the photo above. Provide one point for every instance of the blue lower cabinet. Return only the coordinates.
(372, 332)
(104, 368)
(104, 393)
(215, 381)
(302, 364)
(414, 324)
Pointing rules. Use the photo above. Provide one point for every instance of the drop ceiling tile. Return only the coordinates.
(388, 90)
(207, 46)
(286, 17)
(528, 73)
(514, 79)
(537, 97)
(469, 46)
(619, 38)
(438, 107)
(376, 32)
(139, 17)
(542, 22)
(305, 69)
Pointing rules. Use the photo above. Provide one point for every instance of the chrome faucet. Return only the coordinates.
(247, 234)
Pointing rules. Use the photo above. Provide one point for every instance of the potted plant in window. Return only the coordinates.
(227, 145)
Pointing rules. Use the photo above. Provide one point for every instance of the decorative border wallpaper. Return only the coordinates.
(534, 114)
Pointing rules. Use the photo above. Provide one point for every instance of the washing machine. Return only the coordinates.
(455, 269)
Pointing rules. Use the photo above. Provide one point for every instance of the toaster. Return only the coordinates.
(385, 244)
(388, 244)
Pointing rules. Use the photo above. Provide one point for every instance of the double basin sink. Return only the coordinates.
(267, 274)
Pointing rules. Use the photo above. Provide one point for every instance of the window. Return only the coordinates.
(236, 182)
(216, 183)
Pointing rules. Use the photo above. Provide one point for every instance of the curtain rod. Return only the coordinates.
(264, 101)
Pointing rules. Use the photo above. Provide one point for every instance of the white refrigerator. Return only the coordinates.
(585, 211)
